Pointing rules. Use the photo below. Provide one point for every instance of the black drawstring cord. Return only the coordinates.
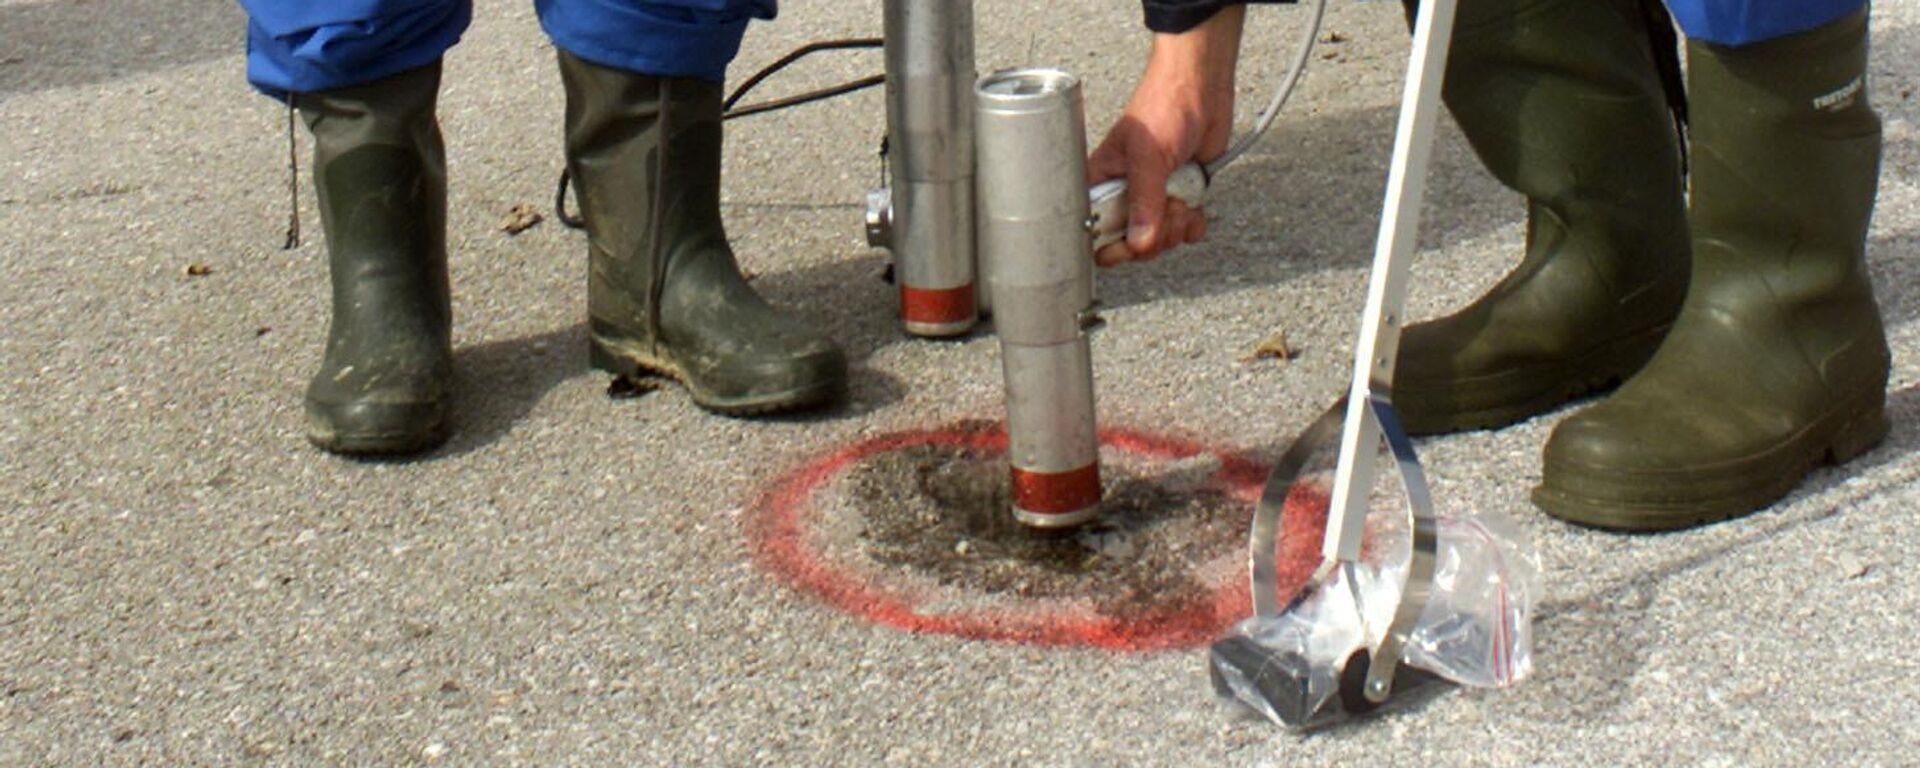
(293, 179)
(560, 203)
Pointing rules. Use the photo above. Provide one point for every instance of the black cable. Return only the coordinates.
(796, 55)
(728, 112)
(810, 96)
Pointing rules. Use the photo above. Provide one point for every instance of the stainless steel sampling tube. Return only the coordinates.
(1034, 212)
(930, 75)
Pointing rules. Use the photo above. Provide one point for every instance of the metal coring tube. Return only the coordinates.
(929, 218)
(1034, 212)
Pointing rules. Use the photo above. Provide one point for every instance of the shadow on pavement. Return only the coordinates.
(47, 45)
(1890, 261)
(1305, 201)
(1300, 203)
(500, 382)
(1591, 646)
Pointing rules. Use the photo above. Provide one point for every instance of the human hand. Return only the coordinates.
(1181, 110)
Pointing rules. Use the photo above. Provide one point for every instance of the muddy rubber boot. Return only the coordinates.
(380, 171)
(1779, 360)
(665, 294)
(1563, 103)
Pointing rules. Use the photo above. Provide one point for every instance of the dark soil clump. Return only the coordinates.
(942, 511)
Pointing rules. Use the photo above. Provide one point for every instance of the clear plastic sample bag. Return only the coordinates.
(1298, 667)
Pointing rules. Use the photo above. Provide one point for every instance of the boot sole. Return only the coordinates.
(623, 358)
(1616, 361)
(1673, 499)
(399, 444)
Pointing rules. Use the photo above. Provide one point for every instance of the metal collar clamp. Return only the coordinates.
(1263, 544)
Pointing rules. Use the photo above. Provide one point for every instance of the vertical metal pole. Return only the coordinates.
(930, 74)
(1034, 213)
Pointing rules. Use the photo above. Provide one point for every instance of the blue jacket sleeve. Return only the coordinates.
(1181, 15)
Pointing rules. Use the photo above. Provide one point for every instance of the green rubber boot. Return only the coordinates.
(1563, 102)
(665, 294)
(1779, 360)
(380, 170)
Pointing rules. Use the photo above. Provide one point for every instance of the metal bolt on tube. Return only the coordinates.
(926, 215)
(1034, 211)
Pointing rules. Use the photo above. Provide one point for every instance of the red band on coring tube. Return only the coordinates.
(938, 306)
(1056, 493)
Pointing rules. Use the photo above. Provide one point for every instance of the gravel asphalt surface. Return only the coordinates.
(184, 581)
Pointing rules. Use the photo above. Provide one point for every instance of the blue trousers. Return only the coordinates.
(1744, 22)
(319, 45)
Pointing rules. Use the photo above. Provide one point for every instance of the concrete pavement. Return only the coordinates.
(184, 581)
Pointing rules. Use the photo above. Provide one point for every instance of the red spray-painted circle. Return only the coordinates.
(778, 522)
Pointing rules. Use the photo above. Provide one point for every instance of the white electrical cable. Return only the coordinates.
(1310, 35)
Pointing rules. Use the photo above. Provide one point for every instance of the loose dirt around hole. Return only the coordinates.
(941, 513)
